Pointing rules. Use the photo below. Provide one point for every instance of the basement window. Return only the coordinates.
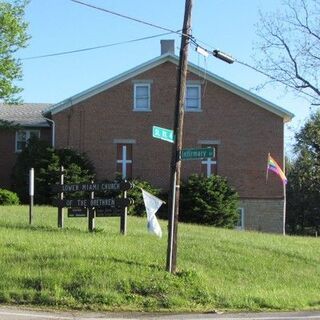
(240, 222)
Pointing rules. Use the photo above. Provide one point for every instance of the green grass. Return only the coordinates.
(218, 269)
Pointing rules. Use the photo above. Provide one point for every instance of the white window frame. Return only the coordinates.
(28, 135)
(193, 109)
(241, 225)
(135, 86)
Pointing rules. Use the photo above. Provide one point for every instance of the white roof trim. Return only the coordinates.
(286, 115)
(108, 84)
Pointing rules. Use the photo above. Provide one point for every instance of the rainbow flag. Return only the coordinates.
(274, 167)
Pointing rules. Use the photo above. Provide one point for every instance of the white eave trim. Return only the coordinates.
(286, 115)
(109, 83)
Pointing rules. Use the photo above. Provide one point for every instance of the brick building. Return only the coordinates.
(112, 122)
(31, 122)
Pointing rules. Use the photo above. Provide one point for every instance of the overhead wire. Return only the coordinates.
(169, 31)
(127, 17)
(94, 48)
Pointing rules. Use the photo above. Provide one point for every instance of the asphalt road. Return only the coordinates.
(11, 313)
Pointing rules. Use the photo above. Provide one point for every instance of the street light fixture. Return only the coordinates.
(223, 56)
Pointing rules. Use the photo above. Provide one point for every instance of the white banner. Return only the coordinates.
(152, 205)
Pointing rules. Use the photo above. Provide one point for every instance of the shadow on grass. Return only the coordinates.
(138, 264)
(23, 226)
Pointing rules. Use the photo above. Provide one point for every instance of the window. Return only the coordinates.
(124, 160)
(209, 165)
(193, 97)
(141, 96)
(240, 223)
(22, 137)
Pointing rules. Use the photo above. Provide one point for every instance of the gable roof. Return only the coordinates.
(26, 115)
(169, 57)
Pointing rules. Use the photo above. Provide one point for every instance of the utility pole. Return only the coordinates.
(177, 146)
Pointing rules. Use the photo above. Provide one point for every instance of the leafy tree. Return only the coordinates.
(13, 36)
(209, 201)
(46, 163)
(289, 47)
(303, 191)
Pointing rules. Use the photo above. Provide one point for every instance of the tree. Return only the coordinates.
(13, 36)
(209, 201)
(289, 47)
(303, 191)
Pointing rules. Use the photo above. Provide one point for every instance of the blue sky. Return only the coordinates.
(62, 25)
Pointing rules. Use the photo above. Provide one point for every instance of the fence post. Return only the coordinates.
(91, 214)
(31, 194)
(60, 208)
(124, 215)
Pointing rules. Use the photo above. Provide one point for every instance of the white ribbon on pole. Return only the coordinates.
(152, 205)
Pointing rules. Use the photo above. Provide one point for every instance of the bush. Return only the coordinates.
(209, 201)
(138, 208)
(46, 163)
(8, 198)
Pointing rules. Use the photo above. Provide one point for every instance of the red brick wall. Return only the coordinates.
(8, 155)
(246, 132)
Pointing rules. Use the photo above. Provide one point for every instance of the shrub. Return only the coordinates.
(46, 163)
(8, 198)
(209, 201)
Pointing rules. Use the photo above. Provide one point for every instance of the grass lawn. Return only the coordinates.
(218, 269)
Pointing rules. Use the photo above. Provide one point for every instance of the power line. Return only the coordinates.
(94, 48)
(169, 31)
(127, 17)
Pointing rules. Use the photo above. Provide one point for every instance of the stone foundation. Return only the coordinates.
(263, 215)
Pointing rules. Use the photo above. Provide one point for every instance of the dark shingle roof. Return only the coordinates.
(27, 114)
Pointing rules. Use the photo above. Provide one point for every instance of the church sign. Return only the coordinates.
(102, 186)
(96, 203)
(91, 207)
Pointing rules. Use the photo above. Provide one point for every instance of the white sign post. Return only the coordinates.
(31, 194)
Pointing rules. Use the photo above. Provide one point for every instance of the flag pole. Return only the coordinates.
(284, 208)
(267, 171)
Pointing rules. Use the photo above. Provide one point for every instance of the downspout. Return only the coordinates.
(53, 129)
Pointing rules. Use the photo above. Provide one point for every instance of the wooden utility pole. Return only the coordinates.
(177, 146)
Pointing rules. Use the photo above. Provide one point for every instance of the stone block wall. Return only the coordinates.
(263, 215)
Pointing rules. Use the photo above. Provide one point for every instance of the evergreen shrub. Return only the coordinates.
(8, 198)
(209, 201)
(46, 162)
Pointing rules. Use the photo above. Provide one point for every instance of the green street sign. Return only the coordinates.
(162, 134)
(196, 154)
